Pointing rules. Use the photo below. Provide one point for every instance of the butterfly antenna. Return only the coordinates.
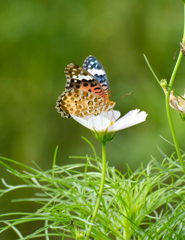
(175, 53)
(123, 96)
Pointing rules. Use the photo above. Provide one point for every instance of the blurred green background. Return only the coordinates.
(38, 38)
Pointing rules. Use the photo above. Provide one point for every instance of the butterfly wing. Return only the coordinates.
(79, 78)
(94, 67)
(81, 103)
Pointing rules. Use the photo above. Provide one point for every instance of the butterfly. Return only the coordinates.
(87, 90)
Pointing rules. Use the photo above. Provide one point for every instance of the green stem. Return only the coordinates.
(101, 189)
(173, 130)
(167, 100)
(127, 229)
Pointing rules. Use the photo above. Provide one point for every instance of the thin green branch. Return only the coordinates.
(54, 161)
(175, 70)
(155, 76)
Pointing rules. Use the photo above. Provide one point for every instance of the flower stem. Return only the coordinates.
(127, 230)
(167, 100)
(101, 189)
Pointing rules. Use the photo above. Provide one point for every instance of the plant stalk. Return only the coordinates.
(127, 229)
(101, 189)
(167, 100)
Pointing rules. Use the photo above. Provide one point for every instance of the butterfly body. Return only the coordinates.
(85, 94)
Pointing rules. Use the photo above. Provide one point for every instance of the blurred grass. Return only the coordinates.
(39, 38)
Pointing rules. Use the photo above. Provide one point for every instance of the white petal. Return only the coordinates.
(88, 117)
(131, 118)
(83, 121)
(99, 123)
(131, 113)
(112, 115)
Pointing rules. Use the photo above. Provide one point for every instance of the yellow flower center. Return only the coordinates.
(112, 122)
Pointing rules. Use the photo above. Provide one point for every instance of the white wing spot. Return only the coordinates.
(88, 77)
(97, 71)
(80, 77)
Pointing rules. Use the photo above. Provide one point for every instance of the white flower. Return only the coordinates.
(109, 122)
